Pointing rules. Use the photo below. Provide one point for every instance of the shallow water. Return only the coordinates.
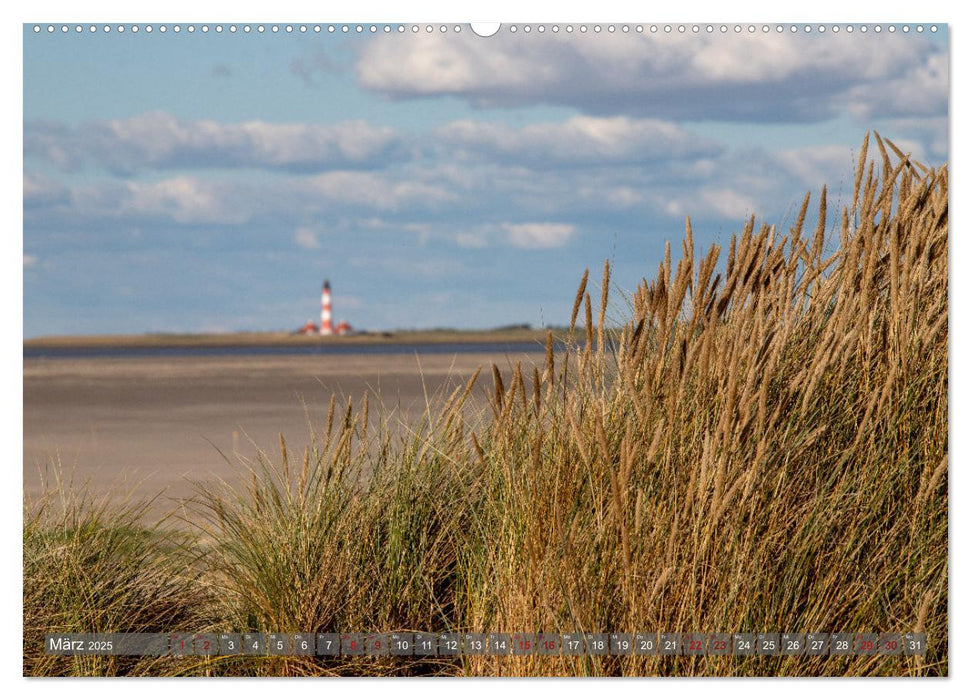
(81, 351)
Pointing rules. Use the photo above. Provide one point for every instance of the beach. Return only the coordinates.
(151, 426)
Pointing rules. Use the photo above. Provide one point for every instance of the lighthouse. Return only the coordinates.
(326, 326)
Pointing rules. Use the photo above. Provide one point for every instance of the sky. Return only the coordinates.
(209, 182)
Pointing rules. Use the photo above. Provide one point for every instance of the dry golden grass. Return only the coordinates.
(767, 453)
(761, 446)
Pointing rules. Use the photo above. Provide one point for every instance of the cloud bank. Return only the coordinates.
(161, 141)
(757, 78)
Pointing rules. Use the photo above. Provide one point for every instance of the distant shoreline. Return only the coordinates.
(179, 340)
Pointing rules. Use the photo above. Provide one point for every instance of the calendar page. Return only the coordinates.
(485, 350)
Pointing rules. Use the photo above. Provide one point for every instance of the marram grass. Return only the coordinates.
(761, 446)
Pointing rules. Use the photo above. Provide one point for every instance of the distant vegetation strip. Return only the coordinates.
(436, 336)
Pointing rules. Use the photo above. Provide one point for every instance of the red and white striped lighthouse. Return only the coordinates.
(326, 327)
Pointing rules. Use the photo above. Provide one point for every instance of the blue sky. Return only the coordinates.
(209, 182)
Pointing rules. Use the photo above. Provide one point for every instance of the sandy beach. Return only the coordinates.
(147, 426)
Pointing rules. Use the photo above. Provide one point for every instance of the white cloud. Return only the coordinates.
(184, 199)
(193, 200)
(306, 238)
(813, 166)
(160, 140)
(539, 235)
(475, 240)
(580, 140)
(763, 78)
(42, 191)
(29, 260)
(625, 197)
(920, 90)
(711, 202)
(379, 192)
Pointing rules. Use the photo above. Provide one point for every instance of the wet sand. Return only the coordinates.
(149, 425)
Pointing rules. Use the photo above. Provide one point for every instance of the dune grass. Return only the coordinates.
(90, 565)
(761, 445)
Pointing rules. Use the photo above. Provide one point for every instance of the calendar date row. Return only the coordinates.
(428, 644)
